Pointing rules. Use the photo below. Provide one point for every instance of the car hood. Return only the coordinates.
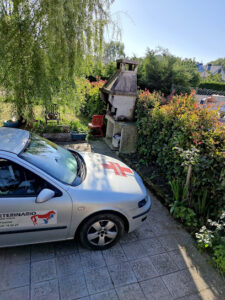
(107, 174)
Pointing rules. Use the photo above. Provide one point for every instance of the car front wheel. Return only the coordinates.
(101, 231)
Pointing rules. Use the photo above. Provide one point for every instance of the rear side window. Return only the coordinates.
(18, 181)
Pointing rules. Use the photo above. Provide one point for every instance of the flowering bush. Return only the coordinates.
(206, 237)
(213, 238)
(168, 135)
(151, 100)
(187, 144)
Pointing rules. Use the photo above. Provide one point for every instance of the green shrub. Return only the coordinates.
(219, 257)
(183, 125)
(41, 127)
(179, 190)
(77, 126)
(217, 86)
(187, 144)
(212, 238)
(93, 104)
(186, 215)
(159, 70)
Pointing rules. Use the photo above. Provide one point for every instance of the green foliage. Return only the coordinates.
(79, 93)
(109, 70)
(105, 71)
(218, 62)
(178, 206)
(217, 86)
(178, 137)
(201, 205)
(44, 44)
(212, 78)
(186, 215)
(179, 191)
(159, 70)
(94, 105)
(41, 127)
(189, 157)
(77, 126)
(212, 238)
(113, 50)
(183, 125)
(219, 257)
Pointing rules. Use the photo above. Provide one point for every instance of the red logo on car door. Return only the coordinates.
(119, 170)
(45, 217)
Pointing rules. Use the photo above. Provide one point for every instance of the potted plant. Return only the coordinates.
(78, 135)
(77, 131)
(13, 123)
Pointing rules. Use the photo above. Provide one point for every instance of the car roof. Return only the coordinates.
(13, 140)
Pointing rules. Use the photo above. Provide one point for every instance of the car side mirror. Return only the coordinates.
(45, 195)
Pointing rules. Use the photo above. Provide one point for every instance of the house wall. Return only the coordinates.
(124, 104)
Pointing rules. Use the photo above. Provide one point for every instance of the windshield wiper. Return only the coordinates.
(81, 169)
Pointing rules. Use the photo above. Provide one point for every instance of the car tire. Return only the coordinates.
(101, 231)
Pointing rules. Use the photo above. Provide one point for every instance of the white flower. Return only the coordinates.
(203, 228)
(219, 226)
(222, 216)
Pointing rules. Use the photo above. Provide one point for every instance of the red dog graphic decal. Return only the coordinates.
(45, 217)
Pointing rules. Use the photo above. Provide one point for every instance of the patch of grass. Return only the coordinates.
(69, 119)
(5, 111)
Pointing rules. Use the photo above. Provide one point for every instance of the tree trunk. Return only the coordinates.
(187, 184)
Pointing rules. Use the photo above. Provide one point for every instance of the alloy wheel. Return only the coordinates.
(102, 232)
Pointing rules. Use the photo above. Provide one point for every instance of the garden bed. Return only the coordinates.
(151, 175)
(58, 137)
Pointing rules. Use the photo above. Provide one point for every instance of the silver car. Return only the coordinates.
(48, 193)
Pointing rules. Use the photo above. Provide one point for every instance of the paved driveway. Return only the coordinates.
(158, 261)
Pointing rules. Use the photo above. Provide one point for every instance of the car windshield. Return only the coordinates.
(51, 158)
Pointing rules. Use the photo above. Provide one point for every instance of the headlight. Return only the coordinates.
(142, 202)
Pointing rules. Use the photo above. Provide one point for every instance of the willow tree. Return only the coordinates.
(44, 44)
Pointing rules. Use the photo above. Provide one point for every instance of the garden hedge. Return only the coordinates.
(182, 133)
(217, 86)
(181, 139)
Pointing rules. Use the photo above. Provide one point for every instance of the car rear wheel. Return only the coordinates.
(101, 231)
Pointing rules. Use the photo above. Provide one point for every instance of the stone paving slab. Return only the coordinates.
(158, 261)
(155, 289)
(46, 290)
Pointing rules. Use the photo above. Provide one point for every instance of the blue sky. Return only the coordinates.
(188, 28)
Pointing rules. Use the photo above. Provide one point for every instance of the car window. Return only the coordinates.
(18, 181)
(51, 158)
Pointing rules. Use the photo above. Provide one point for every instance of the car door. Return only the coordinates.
(22, 219)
